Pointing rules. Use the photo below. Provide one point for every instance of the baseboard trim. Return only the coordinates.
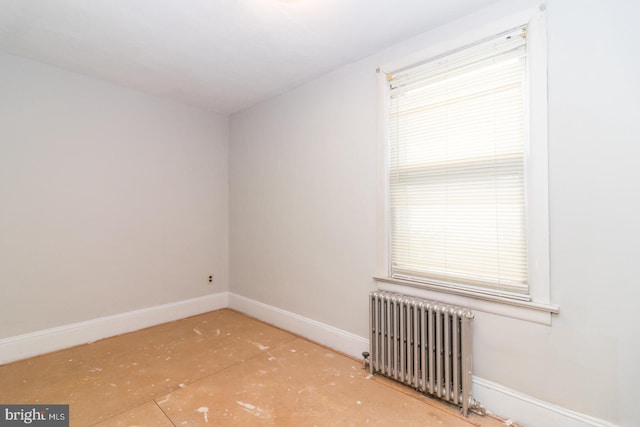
(527, 410)
(48, 340)
(500, 400)
(337, 339)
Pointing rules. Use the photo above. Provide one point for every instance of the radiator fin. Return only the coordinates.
(423, 344)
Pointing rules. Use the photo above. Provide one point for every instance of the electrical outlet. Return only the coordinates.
(211, 279)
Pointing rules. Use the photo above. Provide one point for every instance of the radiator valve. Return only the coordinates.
(477, 407)
(365, 356)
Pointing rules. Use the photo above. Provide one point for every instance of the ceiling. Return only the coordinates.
(222, 55)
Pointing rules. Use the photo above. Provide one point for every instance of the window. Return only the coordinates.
(466, 168)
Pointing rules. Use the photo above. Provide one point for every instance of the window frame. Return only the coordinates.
(538, 308)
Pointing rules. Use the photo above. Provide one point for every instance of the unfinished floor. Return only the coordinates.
(219, 369)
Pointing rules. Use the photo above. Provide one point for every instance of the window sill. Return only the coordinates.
(524, 310)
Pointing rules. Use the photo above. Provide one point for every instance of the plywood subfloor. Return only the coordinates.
(218, 369)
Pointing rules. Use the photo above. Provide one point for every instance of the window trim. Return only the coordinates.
(538, 308)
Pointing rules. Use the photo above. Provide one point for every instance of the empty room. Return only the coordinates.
(319, 212)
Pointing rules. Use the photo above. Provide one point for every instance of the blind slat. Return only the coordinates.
(457, 169)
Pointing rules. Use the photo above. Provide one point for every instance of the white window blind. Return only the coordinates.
(458, 133)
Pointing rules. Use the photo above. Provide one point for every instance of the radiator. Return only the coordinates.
(423, 344)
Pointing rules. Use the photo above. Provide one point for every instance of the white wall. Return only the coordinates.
(303, 209)
(110, 200)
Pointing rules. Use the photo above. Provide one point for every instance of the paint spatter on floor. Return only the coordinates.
(252, 409)
(197, 331)
(204, 411)
(217, 332)
(248, 406)
(307, 389)
(260, 346)
(181, 385)
(292, 350)
(368, 377)
(95, 369)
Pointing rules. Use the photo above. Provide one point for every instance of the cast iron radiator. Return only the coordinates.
(423, 344)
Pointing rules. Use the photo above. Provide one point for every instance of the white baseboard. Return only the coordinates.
(524, 410)
(319, 332)
(500, 400)
(529, 411)
(48, 340)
